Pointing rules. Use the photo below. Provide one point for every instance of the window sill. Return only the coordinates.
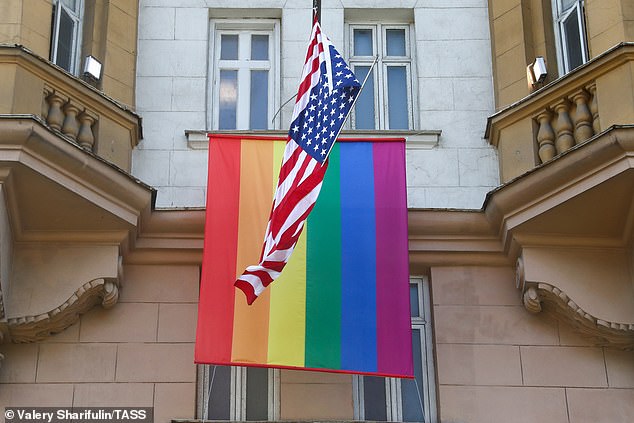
(415, 140)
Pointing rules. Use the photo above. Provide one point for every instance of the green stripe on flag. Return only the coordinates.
(323, 274)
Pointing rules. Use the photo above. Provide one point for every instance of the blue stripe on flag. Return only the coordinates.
(358, 249)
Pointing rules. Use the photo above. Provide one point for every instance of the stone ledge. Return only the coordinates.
(414, 140)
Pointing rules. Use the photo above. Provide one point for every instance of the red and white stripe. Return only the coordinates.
(298, 185)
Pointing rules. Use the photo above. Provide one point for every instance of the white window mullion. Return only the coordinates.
(377, 80)
(56, 24)
(358, 397)
(429, 383)
(244, 90)
(582, 31)
(274, 394)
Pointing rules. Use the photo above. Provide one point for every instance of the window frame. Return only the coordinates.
(379, 75)
(238, 393)
(393, 386)
(244, 27)
(559, 17)
(75, 48)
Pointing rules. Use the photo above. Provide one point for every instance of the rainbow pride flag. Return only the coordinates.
(342, 302)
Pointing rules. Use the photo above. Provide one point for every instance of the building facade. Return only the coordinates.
(519, 188)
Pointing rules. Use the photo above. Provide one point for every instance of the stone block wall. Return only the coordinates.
(497, 362)
(453, 86)
(139, 353)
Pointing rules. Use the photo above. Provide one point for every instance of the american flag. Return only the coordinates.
(326, 95)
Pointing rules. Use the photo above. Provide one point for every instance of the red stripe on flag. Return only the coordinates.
(215, 331)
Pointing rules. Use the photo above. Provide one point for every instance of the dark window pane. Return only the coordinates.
(229, 46)
(64, 57)
(257, 393)
(71, 4)
(395, 42)
(259, 115)
(374, 404)
(363, 42)
(397, 97)
(364, 108)
(413, 300)
(567, 3)
(410, 392)
(219, 393)
(259, 47)
(228, 99)
(573, 41)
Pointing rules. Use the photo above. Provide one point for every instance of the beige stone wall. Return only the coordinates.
(27, 23)
(120, 49)
(139, 353)
(507, 21)
(109, 33)
(609, 22)
(523, 29)
(497, 362)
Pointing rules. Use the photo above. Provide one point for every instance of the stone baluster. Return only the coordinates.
(563, 127)
(86, 138)
(594, 108)
(45, 107)
(70, 127)
(55, 116)
(583, 117)
(545, 136)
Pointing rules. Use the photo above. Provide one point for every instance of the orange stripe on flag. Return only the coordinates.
(251, 323)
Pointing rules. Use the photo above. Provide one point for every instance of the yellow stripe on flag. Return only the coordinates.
(288, 300)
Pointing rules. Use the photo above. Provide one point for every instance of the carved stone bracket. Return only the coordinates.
(37, 328)
(542, 296)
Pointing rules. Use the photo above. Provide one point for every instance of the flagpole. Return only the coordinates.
(317, 10)
(376, 58)
(317, 14)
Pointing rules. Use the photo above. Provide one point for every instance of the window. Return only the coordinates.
(387, 98)
(570, 33)
(66, 37)
(238, 393)
(391, 399)
(245, 82)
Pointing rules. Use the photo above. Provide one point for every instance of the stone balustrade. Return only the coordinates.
(69, 106)
(571, 120)
(565, 113)
(69, 117)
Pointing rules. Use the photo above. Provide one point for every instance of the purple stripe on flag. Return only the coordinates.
(394, 342)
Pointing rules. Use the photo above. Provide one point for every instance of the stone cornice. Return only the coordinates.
(28, 144)
(548, 186)
(173, 236)
(449, 237)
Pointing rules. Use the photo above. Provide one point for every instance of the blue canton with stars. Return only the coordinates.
(317, 126)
